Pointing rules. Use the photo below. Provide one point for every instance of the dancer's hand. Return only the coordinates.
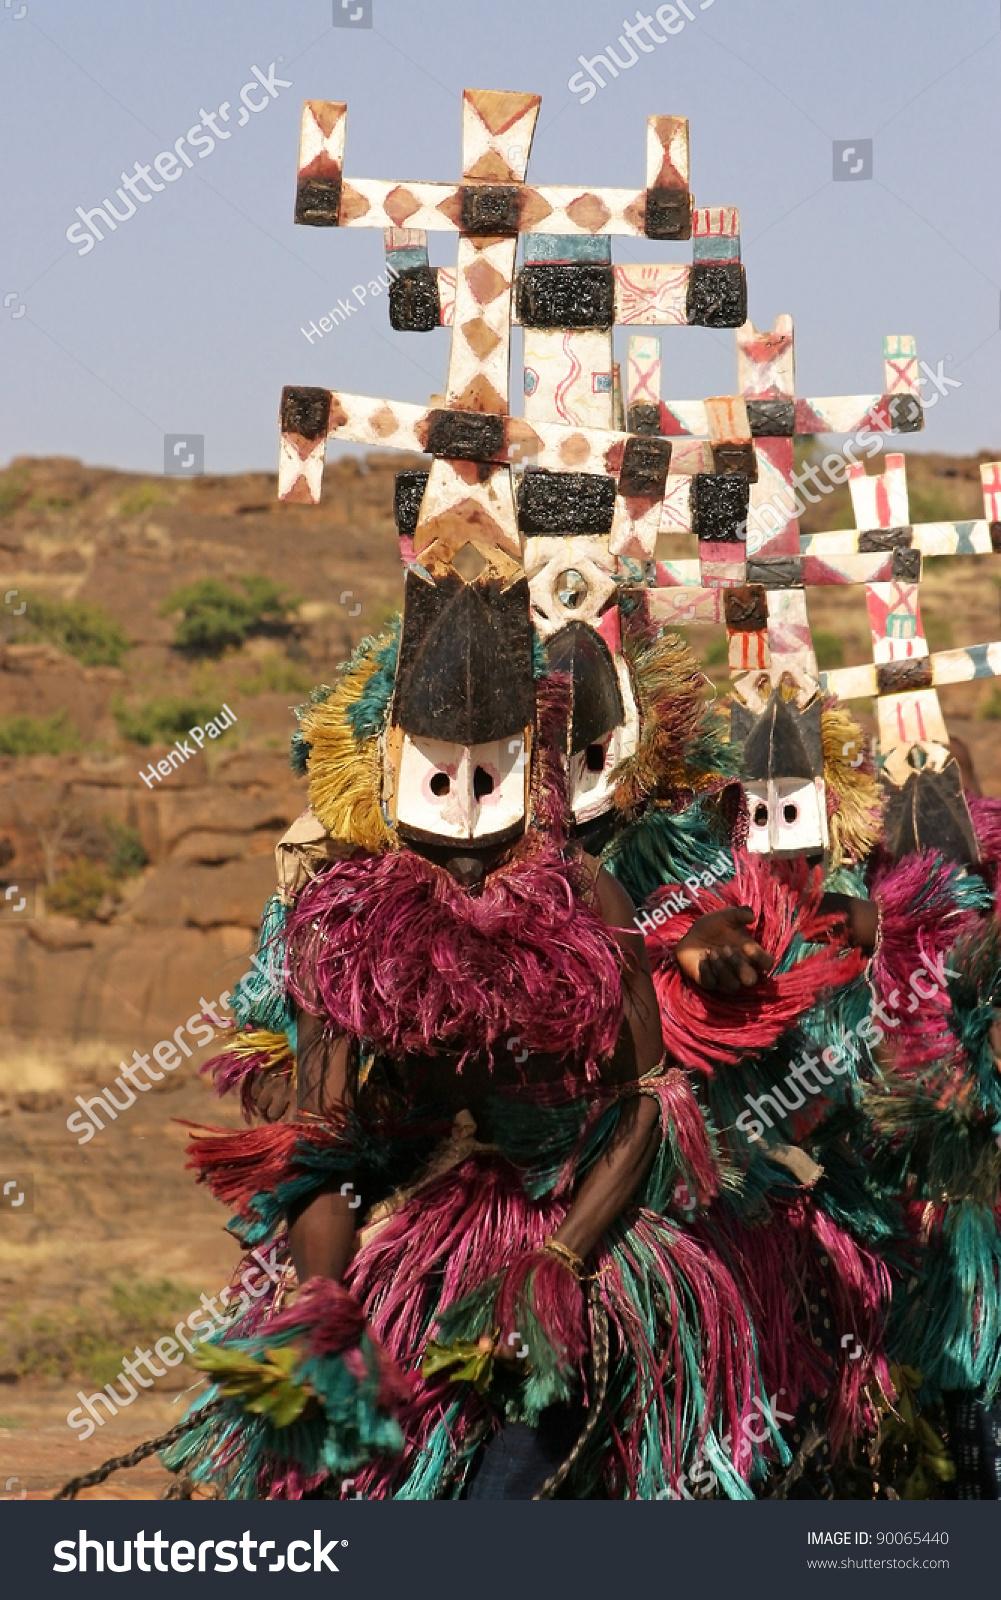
(717, 953)
(274, 1096)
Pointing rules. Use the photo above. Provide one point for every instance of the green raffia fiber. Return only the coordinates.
(976, 998)
(540, 1140)
(299, 747)
(949, 1325)
(647, 1306)
(540, 661)
(367, 715)
(661, 847)
(265, 1412)
(940, 1150)
(435, 1474)
(259, 999)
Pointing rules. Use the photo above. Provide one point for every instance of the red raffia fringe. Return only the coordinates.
(700, 1028)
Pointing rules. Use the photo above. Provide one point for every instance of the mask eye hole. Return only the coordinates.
(790, 812)
(594, 758)
(761, 815)
(571, 589)
(440, 784)
(483, 783)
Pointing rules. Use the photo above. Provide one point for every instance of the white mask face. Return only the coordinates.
(453, 792)
(591, 769)
(788, 816)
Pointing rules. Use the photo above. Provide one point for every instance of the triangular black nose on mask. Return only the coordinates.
(930, 813)
(597, 703)
(465, 665)
(781, 741)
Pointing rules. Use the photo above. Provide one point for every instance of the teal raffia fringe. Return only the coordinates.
(260, 999)
(368, 714)
(949, 1323)
(662, 847)
(313, 1396)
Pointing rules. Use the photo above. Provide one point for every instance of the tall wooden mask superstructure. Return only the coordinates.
(561, 508)
(591, 493)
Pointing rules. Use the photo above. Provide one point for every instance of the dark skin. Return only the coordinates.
(322, 1229)
(716, 953)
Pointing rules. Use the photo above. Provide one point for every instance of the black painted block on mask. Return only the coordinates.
(746, 609)
(771, 419)
(896, 677)
(644, 417)
(645, 465)
(465, 435)
(305, 411)
(717, 294)
(905, 565)
(930, 813)
(565, 502)
(318, 202)
(906, 413)
(584, 656)
(668, 214)
(490, 208)
(464, 672)
(408, 492)
(719, 507)
(885, 539)
(776, 572)
(574, 295)
(414, 303)
(779, 742)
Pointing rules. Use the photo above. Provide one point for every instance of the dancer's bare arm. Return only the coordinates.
(322, 1229)
(614, 1179)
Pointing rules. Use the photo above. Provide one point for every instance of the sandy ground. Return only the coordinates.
(120, 1208)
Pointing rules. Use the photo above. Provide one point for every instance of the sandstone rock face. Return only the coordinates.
(140, 965)
(183, 926)
(188, 894)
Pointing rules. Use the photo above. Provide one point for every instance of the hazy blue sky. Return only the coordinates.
(188, 317)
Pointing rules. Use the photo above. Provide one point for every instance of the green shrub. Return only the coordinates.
(50, 502)
(91, 1344)
(932, 502)
(716, 653)
(215, 617)
(142, 498)
(113, 845)
(37, 736)
(79, 627)
(126, 856)
(161, 720)
(829, 650)
(276, 674)
(80, 891)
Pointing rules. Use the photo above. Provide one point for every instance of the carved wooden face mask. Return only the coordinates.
(783, 777)
(566, 519)
(929, 812)
(458, 749)
(603, 722)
